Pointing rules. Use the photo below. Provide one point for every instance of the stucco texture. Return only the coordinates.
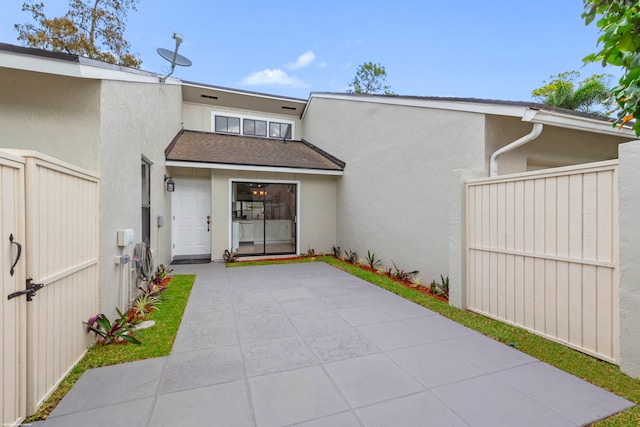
(137, 120)
(394, 196)
(628, 178)
(54, 115)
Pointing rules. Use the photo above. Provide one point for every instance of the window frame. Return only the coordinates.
(242, 118)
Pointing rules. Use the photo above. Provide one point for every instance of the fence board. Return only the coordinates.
(542, 254)
(62, 253)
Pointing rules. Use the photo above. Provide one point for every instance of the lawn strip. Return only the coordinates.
(157, 341)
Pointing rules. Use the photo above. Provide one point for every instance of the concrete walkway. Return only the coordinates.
(309, 345)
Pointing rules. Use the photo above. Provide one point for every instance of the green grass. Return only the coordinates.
(597, 372)
(157, 341)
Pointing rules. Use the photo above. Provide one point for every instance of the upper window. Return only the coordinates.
(254, 127)
(279, 130)
(227, 124)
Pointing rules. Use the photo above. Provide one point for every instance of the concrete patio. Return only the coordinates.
(310, 345)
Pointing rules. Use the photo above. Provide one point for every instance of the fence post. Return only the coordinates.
(458, 235)
(629, 197)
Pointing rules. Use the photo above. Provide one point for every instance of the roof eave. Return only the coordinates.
(253, 168)
(575, 122)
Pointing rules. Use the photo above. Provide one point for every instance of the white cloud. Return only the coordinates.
(303, 60)
(352, 42)
(270, 76)
(322, 65)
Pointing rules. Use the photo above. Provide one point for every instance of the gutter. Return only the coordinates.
(493, 162)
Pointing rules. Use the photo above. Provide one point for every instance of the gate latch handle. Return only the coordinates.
(30, 292)
(13, 266)
(208, 222)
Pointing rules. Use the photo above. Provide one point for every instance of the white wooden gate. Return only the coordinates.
(13, 312)
(542, 253)
(60, 251)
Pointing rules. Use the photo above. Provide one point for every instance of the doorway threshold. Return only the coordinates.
(191, 259)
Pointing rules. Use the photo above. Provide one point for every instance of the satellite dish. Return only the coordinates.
(179, 59)
(173, 57)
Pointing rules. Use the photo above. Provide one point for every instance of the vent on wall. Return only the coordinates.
(202, 95)
(284, 107)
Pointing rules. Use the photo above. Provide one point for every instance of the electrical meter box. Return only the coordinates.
(125, 237)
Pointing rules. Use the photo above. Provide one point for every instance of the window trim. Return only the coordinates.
(267, 119)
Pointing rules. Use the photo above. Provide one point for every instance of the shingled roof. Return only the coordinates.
(207, 147)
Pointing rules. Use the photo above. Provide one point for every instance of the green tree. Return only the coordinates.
(91, 28)
(591, 95)
(619, 43)
(370, 78)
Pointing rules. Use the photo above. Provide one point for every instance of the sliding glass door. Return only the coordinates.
(263, 218)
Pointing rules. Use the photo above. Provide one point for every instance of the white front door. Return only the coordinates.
(191, 217)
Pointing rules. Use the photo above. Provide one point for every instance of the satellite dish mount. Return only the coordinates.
(173, 57)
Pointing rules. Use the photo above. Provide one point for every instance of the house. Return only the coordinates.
(260, 174)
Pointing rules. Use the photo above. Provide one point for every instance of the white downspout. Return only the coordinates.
(493, 162)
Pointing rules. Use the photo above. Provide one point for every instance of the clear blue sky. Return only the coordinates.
(497, 49)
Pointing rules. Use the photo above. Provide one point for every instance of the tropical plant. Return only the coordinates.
(370, 78)
(351, 256)
(144, 304)
(372, 261)
(336, 251)
(415, 282)
(441, 288)
(402, 274)
(591, 95)
(120, 330)
(619, 42)
(229, 256)
(162, 272)
(311, 252)
(94, 29)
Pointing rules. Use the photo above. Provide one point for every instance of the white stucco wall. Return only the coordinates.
(51, 114)
(394, 196)
(629, 197)
(198, 117)
(554, 147)
(137, 120)
(317, 200)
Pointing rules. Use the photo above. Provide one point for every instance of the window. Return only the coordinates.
(279, 130)
(254, 127)
(258, 126)
(227, 124)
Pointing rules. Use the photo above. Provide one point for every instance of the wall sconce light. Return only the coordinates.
(171, 185)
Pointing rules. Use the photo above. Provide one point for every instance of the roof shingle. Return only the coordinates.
(206, 147)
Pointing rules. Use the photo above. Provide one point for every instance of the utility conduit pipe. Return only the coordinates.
(493, 162)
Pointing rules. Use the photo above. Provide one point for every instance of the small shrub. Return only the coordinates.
(311, 252)
(336, 251)
(403, 275)
(229, 256)
(380, 271)
(372, 262)
(162, 273)
(415, 282)
(120, 330)
(441, 288)
(144, 304)
(351, 256)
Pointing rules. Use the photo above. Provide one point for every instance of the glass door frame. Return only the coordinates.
(266, 181)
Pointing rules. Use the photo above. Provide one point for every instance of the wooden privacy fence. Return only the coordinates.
(60, 251)
(542, 254)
